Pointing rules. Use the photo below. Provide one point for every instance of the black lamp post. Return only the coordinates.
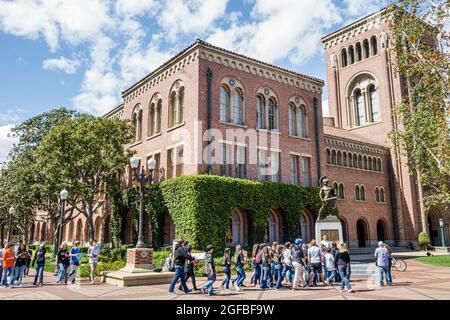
(62, 197)
(441, 226)
(142, 178)
(11, 212)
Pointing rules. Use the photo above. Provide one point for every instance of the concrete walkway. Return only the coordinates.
(418, 282)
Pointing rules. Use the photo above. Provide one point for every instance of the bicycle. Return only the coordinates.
(399, 264)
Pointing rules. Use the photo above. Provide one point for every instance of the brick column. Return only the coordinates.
(139, 260)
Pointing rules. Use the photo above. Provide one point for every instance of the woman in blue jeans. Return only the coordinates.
(239, 261)
(226, 264)
(265, 268)
(63, 261)
(256, 265)
(343, 264)
(278, 265)
(39, 260)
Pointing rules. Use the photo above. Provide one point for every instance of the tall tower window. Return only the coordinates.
(359, 108)
(344, 62)
(358, 52)
(374, 104)
(351, 54)
(366, 49)
(374, 45)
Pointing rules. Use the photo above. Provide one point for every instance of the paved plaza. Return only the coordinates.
(420, 281)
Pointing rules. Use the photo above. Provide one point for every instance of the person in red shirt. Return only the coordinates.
(9, 259)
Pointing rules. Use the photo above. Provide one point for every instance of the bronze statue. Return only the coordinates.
(328, 196)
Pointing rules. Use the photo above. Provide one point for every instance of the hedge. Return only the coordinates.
(202, 205)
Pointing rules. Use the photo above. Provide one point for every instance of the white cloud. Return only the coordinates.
(279, 29)
(63, 64)
(6, 141)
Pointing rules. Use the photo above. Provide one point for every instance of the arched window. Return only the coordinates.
(344, 62)
(260, 112)
(328, 156)
(362, 192)
(344, 159)
(379, 168)
(238, 106)
(336, 188)
(235, 234)
(176, 108)
(303, 122)
(151, 123)
(369, 163)
(154, 116)
(224, 103)
(357, 193)
(365, 162)
(333, 157)
(360, 162)
(377, 194)
(350, 160)
(360, 109)
(373, 98)
(272, 114)
(339, 158)
(366, 49)
(355, 161)
(273, 221)
(341, 194)
(293, 129)
(374, 45)
(351, 53)
(298, 119)
(358, 52)
(136, 121)
(381, 194)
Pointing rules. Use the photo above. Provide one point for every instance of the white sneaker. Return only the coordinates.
(350, 291)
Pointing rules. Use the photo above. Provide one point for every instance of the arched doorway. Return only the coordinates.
(43, 232)
(79, 233)
(169, 229)
(306, 226)
(86, 232)
(361, 233)
(33, 227)
(274, 223)
(97, 229)
(37, 232)
(70, 236)
(381, 231)
(344, 229)
(236, 232)
(436, 213)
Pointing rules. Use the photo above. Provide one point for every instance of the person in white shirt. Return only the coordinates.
(93, 253)
(315, 262)
(330, 272)
(325, 242)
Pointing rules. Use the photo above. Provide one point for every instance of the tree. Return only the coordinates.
(85, 154)
(421, 48)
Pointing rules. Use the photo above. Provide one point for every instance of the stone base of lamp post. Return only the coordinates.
(139, 260)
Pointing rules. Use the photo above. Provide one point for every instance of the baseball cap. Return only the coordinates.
(298, 241)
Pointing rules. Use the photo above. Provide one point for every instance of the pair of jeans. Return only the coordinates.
(256, 276)
(343, 272)
(298, 275)
(179, 275)
(241, 276)
(265, 271)
(209, 286)
(18, 274)
(287, 271)
(387, 271)
(39, 273)
(330, 275)
(62, 273)
(93, 266)
(278, 275)
(73, 273)
(5, 272)
(226, 281)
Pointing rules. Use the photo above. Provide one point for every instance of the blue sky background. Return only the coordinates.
(81, 54)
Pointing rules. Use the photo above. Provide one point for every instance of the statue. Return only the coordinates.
(384, 40)
(333, 60)
(328, 196)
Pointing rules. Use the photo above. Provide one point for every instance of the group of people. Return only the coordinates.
(298, 265)
(16, 260)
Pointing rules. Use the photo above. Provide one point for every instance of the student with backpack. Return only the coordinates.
(226, 264)
(39, 261)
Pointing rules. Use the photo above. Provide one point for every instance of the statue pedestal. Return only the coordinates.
(332, 227)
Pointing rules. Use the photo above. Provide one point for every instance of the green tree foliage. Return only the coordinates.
(424, 239)
(85, 154)
(421, 48)
(201, 207)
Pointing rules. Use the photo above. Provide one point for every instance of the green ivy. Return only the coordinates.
(202, 205)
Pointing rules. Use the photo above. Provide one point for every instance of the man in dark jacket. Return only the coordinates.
(297, 263)
(39, 260)
(180, 256)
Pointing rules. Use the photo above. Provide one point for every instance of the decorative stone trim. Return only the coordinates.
(361, 146)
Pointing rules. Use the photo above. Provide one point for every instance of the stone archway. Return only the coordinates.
(70, 234)
(381, 231)
(436, 213)
(86, 232)
(37, 232)
(79, 231)
(344, 225)
(98, 229)
(274, 231)
(362, 233)
(44, 232)
(237, 228)
(306, 226)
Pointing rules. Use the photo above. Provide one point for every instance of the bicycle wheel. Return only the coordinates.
(400, 265)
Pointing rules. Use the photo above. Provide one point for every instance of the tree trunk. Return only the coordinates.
(423, 213)
(90, 221)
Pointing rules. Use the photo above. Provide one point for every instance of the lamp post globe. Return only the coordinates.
(64, 194)
(134, 162)
(151, 163)
(12, 211)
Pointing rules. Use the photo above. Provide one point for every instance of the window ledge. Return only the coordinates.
(352, 168)
(276, 131)
(368, 124)
(379, 202)
(154, 136)
(358, 62)
(361, 201)
(300, 138)
(233, 124)
(135, 144)
(175, 126)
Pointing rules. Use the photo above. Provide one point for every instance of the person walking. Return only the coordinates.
(278, 266)
(315, 261)
(343, 263)
(266, 258)
(74, 261)
(27, 265)
(189, 270)
(287, 266)
(256, 265)
(2, 250)
(63, 261)
(39, 261)
(9, 258)
(239, 262)
(226, 264)
(93, 253)
(390, 260)
(21, 262)
(334, 252)
(382, 256)
(180, 257)
(298, 264)
(307, 273)
(330, 267)
(210, 271)
(272, 275)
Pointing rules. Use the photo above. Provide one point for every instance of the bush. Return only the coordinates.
(424, 240)
(202, 205)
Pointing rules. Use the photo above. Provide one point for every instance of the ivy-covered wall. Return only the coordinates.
(202, 205)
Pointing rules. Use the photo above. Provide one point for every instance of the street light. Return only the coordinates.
(63, 197)
(142, 178)
(11, 213)
(441, 226)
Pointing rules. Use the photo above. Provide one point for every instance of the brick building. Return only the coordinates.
(266, 123)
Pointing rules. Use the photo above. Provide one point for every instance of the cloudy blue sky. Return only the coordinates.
(81, 54)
